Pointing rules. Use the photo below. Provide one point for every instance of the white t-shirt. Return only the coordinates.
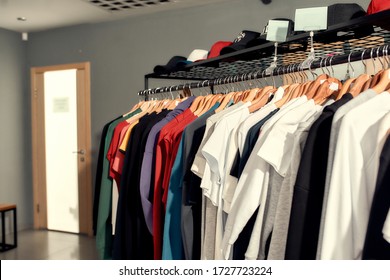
(276, 152)
(215, 152)
(336, 122)
(254, 118)
(247, 196)
(198, 166)
(237, 144)
(352, 182)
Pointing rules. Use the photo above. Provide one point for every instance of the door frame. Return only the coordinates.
(84, 139)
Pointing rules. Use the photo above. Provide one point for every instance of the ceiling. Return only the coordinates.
(47, 14)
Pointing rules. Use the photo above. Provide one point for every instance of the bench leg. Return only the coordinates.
(2, 231)
(15, 230)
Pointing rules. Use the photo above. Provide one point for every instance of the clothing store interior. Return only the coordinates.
(195, 130)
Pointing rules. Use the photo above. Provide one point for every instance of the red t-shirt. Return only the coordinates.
(164, 154)
(119, 159)
(114, 145)
(174, 138)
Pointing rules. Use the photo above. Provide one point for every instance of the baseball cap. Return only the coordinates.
(217, 47)
(173, 63)
(197, 55)
(376, 6)
(240, 42)
(340, 13)
(263, 37)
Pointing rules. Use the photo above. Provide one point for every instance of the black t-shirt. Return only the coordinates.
(132, 238)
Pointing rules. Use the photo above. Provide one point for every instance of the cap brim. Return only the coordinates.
(256, 42)
(174, 62)
(231, 49)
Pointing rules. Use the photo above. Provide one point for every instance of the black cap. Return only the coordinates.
(340, 13)
(174, 63)
(240, 42)
(262, 39)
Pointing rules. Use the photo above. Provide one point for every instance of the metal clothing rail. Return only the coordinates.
(329, 61)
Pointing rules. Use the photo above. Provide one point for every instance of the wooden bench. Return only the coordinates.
(3, 209)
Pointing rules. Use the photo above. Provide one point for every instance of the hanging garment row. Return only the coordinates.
(295, 172)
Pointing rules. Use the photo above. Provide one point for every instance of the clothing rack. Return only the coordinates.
(325, 62)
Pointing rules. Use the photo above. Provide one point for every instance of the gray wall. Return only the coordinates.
(15, 148)
(122, 52)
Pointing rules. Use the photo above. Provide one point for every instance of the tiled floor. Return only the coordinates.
(51, 245)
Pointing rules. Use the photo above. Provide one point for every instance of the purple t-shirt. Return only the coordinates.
(147, 162)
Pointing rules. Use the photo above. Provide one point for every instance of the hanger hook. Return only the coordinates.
(273, 78)
(280, 76)
(294, 72)
(350, 65)
(300, 72)
(288, 72)
(292, 69)
(362, 59)
(202, 87)
(259, 78)
(331, 66)
(322, 70)
(303, 73)
(373, 59)
(326, 66)
(377, 56)
(284, 71)
(387, 56)
(170, 91)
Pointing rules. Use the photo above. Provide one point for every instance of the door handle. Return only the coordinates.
(80, 152)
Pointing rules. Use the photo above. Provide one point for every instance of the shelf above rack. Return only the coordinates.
(361, 33)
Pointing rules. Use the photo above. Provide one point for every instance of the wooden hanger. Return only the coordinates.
(330, 87)
(306, 87)
(225, 100)
(261, 99)
(198, 103)
(347, 84)
(358, 84)
(146, 108)
(286, 96)
(251, 94)
(345, 88)
(210, 100)
(297, 91)
(383, 82)
(315, 85)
